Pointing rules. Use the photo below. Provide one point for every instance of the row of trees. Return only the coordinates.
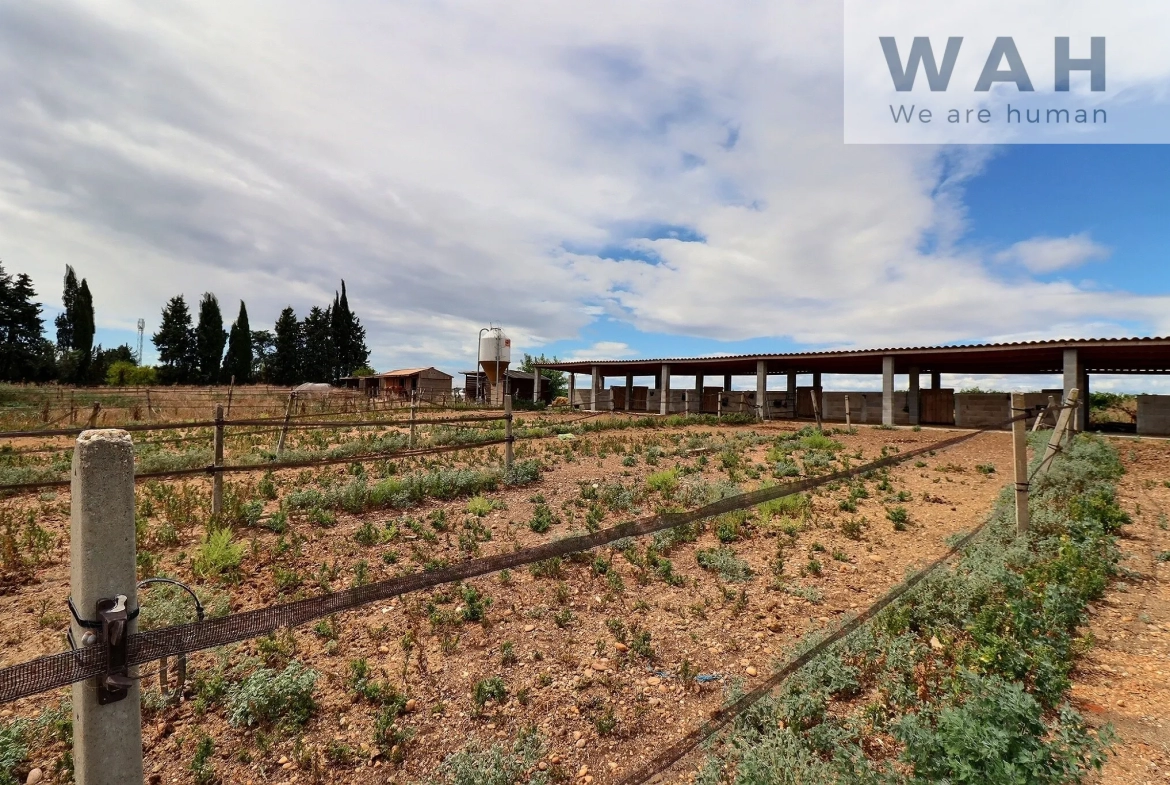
(28, 355)
(328, 344)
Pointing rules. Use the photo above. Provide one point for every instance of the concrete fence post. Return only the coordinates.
(848, 419)
(107, 739)
(508, 433)
(1020, 455)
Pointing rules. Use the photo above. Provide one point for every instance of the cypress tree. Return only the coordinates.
(83, 332)
(285, 367)
(238, 362)
(64, 320)
(175, 341)
(209, 339)
(349, 337)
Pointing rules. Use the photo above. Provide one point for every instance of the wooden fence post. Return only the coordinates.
(284, 429)
(508, 433)
(816, 408)
(231, 389)
(1020, 455)
(217, 478)
(413, 408)
(107, 710)
(1062, 423)
(97, 408)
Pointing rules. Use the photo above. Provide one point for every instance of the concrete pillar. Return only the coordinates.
(107, 740)
(1073, 374)
(572, 389)
(761, 389)
(817, 379)
(594, 386)
(535, 385)
(664, 390)
(887, 390)
(935, 380)
(912, 401)
(726, 382)
(790, 398)
(629, 389)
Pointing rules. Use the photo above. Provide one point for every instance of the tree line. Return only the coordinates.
(328, 344)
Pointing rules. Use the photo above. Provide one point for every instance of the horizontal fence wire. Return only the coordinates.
(212, 469)
(144, 427)
(59, 670)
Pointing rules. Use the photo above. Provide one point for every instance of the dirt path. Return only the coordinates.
(1124, 680)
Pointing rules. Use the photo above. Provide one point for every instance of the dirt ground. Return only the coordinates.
(601, 708)
(1124, 680)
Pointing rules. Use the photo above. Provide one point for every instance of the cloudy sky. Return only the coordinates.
(604, 179)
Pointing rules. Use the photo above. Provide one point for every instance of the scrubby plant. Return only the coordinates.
(723, 561)
(218, 557)
(543, 519)
(492, 689)
(273, 698)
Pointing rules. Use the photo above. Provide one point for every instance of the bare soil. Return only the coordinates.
(602, 710)
(1124, 680)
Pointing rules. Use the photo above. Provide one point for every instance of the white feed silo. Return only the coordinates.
(495, 353)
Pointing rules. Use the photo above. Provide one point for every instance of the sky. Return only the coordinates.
(605, 180)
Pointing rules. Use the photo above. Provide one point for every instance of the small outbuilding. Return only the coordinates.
(430, 384)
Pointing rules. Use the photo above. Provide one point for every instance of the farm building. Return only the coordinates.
(1073, 361)
(430, 384)
(518, 384)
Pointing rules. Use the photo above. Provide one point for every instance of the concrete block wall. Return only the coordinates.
(736, 402)
(1153, 415)
(982, 410)
(582, 399)
(864, 407)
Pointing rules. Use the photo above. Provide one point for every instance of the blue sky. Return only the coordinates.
(630, 180)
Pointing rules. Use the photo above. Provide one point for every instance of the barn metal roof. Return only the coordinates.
(1098, 355)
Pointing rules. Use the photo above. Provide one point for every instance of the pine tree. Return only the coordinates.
(263, 348)
(286, 364)
(318, 363)
(64, 320)
(175, 341)
(25, 354)
(238, 362)
(209, 339)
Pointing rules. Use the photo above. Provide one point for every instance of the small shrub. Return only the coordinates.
(218, 558)
(724, 561)
(492, 689)
(899, 517)
(542, 519)
(480, 506)
(664, 482)
(269, 697)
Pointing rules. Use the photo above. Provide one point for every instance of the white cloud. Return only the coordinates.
(604, 350)
(460, 163)
(1049, 254)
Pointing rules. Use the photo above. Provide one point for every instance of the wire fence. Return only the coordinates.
(59, 670)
